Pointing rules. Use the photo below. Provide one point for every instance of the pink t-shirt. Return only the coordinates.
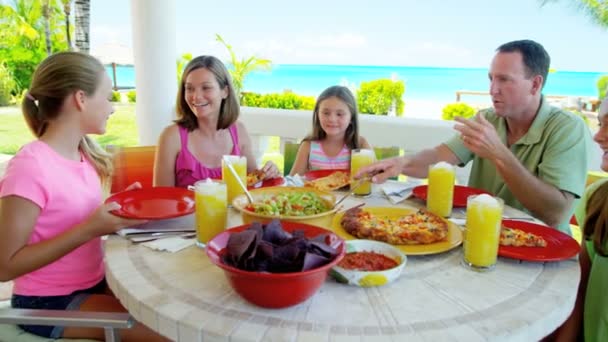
(67, 192)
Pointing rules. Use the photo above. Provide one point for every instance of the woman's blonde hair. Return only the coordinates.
(57, 77)
(351, 136)
(229, 109)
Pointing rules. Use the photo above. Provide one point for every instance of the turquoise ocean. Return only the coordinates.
(421, 83)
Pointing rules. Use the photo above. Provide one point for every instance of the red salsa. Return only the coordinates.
(367, 261)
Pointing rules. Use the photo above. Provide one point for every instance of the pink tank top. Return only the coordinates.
(318, 160)
(188, 169)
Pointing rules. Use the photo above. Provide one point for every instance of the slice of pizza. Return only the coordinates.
(519, 238)
(255, 177)
(332, 182)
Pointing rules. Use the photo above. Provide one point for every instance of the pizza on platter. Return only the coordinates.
(418, 228)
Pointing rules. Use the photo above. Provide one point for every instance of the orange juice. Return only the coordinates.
(484, 215)
(211, 210)
(240, 166)
(440, 193)
(358, 159)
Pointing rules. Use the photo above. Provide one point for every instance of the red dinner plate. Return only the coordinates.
(153, 203)
(560, 246)
(461, 193)
(314, 174)
(267, 183)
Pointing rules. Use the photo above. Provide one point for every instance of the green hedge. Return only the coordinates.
(7, 84)
(376, 97)
(286, 100)
(453, 110)
(132, 96)
(115, 96)
(602, 87)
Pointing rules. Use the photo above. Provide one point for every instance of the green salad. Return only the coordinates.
(290, 204)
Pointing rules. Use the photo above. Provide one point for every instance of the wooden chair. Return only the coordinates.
(132, 164)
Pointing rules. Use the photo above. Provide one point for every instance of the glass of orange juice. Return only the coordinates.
(358, 159)
(481, 238)
(240, 166)
(211, 200)
(440, 193)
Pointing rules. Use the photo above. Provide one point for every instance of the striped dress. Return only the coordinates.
(318, 160)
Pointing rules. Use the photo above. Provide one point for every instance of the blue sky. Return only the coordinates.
(382, 32)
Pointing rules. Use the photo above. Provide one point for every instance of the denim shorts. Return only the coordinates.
(67, 302)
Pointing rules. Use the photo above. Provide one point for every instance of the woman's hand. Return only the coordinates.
(103, 222)
(271, 170)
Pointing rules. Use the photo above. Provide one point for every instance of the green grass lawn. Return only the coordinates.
(121, 131)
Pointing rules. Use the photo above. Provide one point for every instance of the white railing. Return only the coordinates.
(410, 134)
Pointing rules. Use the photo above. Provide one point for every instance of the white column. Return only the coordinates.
(154, 55)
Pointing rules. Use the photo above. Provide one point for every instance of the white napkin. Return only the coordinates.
(399, 191)
(171, 245)
(295, 180)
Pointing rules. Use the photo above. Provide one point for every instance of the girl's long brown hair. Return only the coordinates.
(351, 136)
(55, 78)
(596, 221)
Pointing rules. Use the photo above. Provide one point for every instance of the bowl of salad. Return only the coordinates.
(293, 204)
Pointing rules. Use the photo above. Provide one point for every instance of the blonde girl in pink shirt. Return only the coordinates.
(52, 214)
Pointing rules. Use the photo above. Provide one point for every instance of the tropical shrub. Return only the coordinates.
(132, 96)
(453, 110)
(377, 96)
(286, 100)
(115, 96)
(602, 87)
(7, 85)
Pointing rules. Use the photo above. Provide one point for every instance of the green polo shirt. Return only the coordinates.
(555, 149)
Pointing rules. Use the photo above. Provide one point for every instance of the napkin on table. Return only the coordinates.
(399, 191)
(171, 244)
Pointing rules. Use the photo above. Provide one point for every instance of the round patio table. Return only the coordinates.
(185, 297)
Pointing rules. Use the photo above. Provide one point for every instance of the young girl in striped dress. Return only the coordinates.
(335, 132)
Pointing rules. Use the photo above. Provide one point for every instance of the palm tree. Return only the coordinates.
(240, 68)
(82, 15)
(46, 14)
(597, 10)
(67, 9)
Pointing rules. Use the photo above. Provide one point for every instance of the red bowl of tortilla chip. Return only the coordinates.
(251, 258)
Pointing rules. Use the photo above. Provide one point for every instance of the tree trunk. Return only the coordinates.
(67, 8)
(46, 12)
(82, 14)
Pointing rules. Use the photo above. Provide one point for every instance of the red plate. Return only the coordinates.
(461, 193)
(154, 203)
(314, 174)
(560, 246)
(267, 183)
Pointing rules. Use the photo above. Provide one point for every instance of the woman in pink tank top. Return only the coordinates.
(206, 128)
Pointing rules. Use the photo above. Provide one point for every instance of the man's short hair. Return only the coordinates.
(536, 59)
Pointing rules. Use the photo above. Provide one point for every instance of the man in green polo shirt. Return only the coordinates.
(530, 154)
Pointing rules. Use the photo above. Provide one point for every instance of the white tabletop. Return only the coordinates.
(186, 298)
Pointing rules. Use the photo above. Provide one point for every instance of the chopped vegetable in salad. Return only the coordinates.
(290, 204)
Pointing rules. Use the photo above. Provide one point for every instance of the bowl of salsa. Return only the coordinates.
(369, 263)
